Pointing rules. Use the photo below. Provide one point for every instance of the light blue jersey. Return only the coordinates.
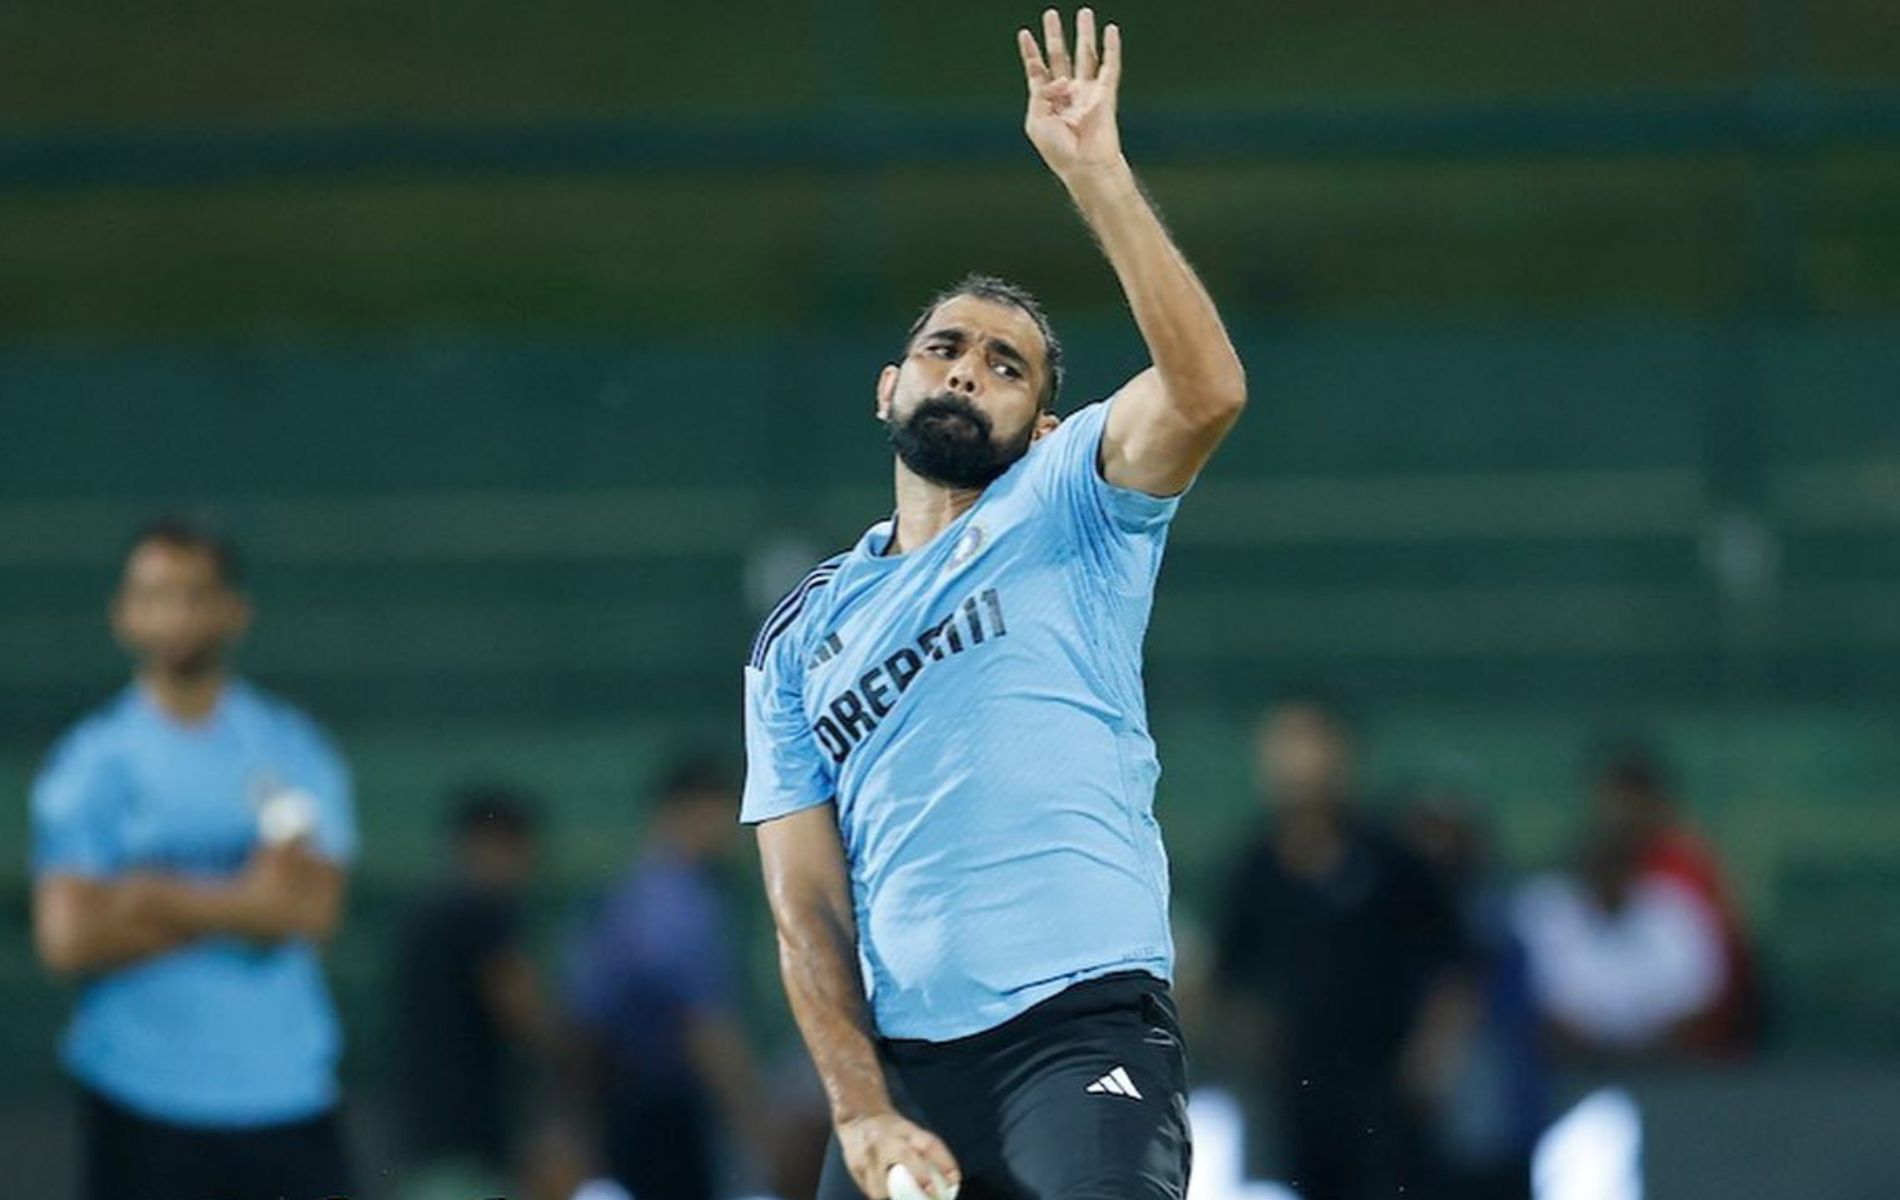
(220, 1032)
(975, 707)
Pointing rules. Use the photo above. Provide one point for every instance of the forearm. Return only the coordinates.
(1177, 318)
(206, 909)
(818, 958)
(83, 926)
(818, 962)
(284, 893)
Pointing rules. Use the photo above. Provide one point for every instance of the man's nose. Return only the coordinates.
(963, 375)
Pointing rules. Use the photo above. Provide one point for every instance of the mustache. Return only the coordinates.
(950, 404)
(949, 440)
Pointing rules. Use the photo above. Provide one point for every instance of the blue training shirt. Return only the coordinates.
(218, 1033)
(975, 709)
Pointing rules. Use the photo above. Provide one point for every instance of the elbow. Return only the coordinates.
(65, 927)
(1230, 402)
(1214, 398)
(313, 908)
(60, 952)
(1230, 390)
(1219, 407)
(812, 929)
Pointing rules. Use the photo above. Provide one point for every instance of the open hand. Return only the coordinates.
(1071, 119)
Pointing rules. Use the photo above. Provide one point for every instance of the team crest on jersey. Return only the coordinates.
(967, 546)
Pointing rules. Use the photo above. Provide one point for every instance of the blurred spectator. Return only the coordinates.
(1495, 1088)
(654, 986)
(1621, 959)
(558, 1164)
(189, 845)
(467, 996)
(1339, 955)
(1633, 797)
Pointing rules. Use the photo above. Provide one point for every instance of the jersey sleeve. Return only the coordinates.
(327, 776)
(785, 768)
(77, 802)
(1070, 476)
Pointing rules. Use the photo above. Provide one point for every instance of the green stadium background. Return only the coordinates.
(526, 348)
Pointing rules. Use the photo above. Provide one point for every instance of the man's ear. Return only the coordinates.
(1046, 423)
(886, 391)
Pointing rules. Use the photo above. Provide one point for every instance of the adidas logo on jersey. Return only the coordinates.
(830, 649)
(1115, 1083)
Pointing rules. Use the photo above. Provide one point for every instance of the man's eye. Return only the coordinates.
(941, 350)
(1009, 370)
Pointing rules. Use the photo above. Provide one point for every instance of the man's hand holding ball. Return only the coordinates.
(888, 1154)
(904, 1186)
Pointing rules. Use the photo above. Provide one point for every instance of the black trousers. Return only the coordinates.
(132, 1157)
(1083, 1097)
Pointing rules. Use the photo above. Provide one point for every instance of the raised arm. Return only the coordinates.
(807, 884)
(1166, 421)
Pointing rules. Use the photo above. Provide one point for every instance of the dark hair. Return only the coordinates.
(1630, 762)
(691, 775)
(186, 533)
(490, 808)
(1000, 291)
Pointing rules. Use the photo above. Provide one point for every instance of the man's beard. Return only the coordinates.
(950, 441)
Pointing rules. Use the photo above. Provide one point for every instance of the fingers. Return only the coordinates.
(1085, 56)
(1034, 68)
(1058, 45)
(871, 1171)
(1095, 57)
(934, 1155)
(872, 1150)
(926, 1173)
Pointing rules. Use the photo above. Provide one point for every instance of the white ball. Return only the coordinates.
(904, 1186)
(287, 816)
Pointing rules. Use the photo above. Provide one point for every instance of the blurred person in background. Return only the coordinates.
(1495, 1099)
(1340, 962)
(654, 987)
(1633, 799)
(190, 841)
(558, 1162)
(469, 1001)
(1622, 961)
